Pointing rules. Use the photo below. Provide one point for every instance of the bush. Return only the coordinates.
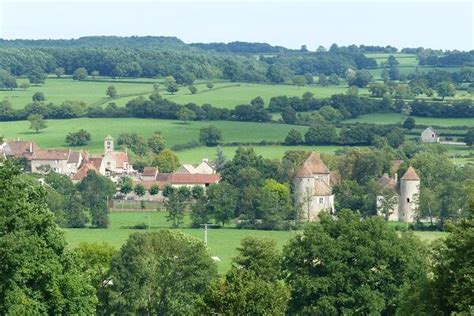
(80, 138)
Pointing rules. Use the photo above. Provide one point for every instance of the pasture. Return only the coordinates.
(60, 90)
(175, 132)
(222, 242)
(224, 94)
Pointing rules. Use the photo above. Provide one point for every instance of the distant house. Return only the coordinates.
(82, 172)
(205, 167)
(429, 135)
(179, 180)
(63, 161)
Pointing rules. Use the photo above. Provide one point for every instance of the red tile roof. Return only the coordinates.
(150, 172)
(82, 172)
(410, 174)
(312, 165)
(185, 178)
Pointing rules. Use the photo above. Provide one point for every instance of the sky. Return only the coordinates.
(434, 24)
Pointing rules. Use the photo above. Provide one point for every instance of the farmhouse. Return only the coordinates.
(429, 135)
(62, 161)
(402, 205)
(313, 188)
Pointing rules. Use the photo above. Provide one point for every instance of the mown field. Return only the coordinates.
(222, 242)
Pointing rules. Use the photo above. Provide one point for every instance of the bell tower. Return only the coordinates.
(108, 144)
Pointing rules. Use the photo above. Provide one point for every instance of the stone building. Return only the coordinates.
(313, 189)
(63, 161)
(404, 203)
(429, 135)
(205, 167)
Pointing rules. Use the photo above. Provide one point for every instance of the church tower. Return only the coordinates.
(108, 144)
(409, 194)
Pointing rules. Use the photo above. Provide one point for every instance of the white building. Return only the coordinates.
(429, 135)
(313, 188)
(405, 200)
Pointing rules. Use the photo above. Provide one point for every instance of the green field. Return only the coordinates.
(175, 132)
(224, 94)
(272, 152)
(222, 242)
(405, 60)
(59, 90)
(396, 118)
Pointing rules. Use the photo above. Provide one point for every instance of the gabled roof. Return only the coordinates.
(52, 154)
(431, 130)
(120, 158)
(410, 174)
(96, 161)
(312, 165)
(108, 137)
(149, 172)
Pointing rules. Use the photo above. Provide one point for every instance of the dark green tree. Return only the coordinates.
(79, 138)
(321, 135)
(210, 136)
(96, 190)
(38, 97)
(409, 123)
(111, 92)
(160, 273)
(293, 138)
(36, 77)
(125, 185)
(156, 142)
(349, 265)
(38, 274)
(37, 122)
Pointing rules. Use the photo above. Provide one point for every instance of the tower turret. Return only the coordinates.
(108, 143)
(409, 193)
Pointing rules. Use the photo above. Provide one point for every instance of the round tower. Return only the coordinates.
(409, 194)
(108, 143)
(304, 191)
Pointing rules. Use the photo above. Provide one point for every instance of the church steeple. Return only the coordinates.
(108, 143)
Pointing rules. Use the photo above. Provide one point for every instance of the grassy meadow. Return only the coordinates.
(222, 242)
(224, 94)
(175, 132)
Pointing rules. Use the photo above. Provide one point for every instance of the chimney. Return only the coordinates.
(396, 176)
(205, 160)
(31, 147)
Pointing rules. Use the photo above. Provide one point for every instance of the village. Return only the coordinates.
(313, 183)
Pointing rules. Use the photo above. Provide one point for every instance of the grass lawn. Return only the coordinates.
(194, 155)
(395, 118)
(59, 90)
(175, 132)
(222, 242)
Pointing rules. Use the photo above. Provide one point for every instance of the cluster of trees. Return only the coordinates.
(450, 59)
(339, 265)
(78, 205)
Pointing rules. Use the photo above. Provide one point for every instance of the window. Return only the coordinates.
(408, 200)
(321, 200)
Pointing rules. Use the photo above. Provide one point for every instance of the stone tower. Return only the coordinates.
(313, 190)
(409, 193)
(108, 144)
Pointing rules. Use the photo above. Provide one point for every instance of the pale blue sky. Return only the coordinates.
(446, 25)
